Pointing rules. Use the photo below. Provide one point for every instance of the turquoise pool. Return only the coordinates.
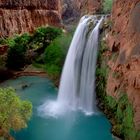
(71, 126)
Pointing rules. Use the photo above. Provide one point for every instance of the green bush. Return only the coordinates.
(123, 115)
(17, 50)
(45, 35)
(20, 44)
(107, 6)
(120, 110)
(55, 54)
(14, 113)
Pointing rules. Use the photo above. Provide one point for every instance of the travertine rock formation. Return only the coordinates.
(18, 16)
(124, 44)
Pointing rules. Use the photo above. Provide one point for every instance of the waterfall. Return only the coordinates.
(77, 85)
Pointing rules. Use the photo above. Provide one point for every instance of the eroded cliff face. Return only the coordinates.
(124, 45)
(75, 8)
(25, 15)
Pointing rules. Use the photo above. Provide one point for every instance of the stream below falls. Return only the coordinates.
(74, 125)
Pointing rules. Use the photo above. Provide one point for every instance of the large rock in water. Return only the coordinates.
(72, 9)
(124, 44)
(18, 16)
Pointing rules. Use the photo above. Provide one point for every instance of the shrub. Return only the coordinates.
(45, 35)
(120, 111)
(14, 113)
(107, 6)
(17, 50)
(20, 44)
(55, 54)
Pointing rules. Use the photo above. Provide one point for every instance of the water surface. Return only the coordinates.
(70, 126)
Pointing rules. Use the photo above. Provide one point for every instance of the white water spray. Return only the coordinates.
(77, 86)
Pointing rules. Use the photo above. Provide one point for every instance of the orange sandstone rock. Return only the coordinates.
(124, 40)
(25, 15)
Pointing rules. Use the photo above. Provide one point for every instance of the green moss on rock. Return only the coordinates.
(119, 111)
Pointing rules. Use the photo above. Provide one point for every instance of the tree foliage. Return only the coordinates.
(20, 44)
(17, 50)
(14, 113)
(46, 35)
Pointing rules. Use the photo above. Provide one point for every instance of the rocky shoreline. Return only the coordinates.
(29, 71)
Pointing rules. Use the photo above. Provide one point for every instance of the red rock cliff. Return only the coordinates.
(94, 6)
(124, 44)
(74, 8)
(25, 15)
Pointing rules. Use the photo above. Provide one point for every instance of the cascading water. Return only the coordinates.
(77, 87)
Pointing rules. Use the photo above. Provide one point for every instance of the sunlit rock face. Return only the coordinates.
(19, 16)
(94, 6)
(75, 8)
(124, 43)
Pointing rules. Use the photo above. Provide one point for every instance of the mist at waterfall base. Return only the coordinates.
(77, 86)
(71, 126)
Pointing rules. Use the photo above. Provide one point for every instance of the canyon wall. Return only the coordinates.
(124, 50)
(72, 9)
(25, 15)
(19, 16)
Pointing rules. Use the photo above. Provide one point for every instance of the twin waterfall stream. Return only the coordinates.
(77, 86)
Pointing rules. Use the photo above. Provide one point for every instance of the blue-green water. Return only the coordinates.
(71, 126)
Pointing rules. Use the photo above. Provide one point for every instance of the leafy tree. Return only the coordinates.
(17, 50)
(46, 35)
(20, 44)
(14, 113)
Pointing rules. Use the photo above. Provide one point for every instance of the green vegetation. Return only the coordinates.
(53, 58)
(2, 62)
(55, 54)
(2, 41)
(20, 45)
(46, 48)
(44, 36)
(17, 50)
(14, 113)
(107, 6)
(102, 70)
(123, 124)
(119, 111)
